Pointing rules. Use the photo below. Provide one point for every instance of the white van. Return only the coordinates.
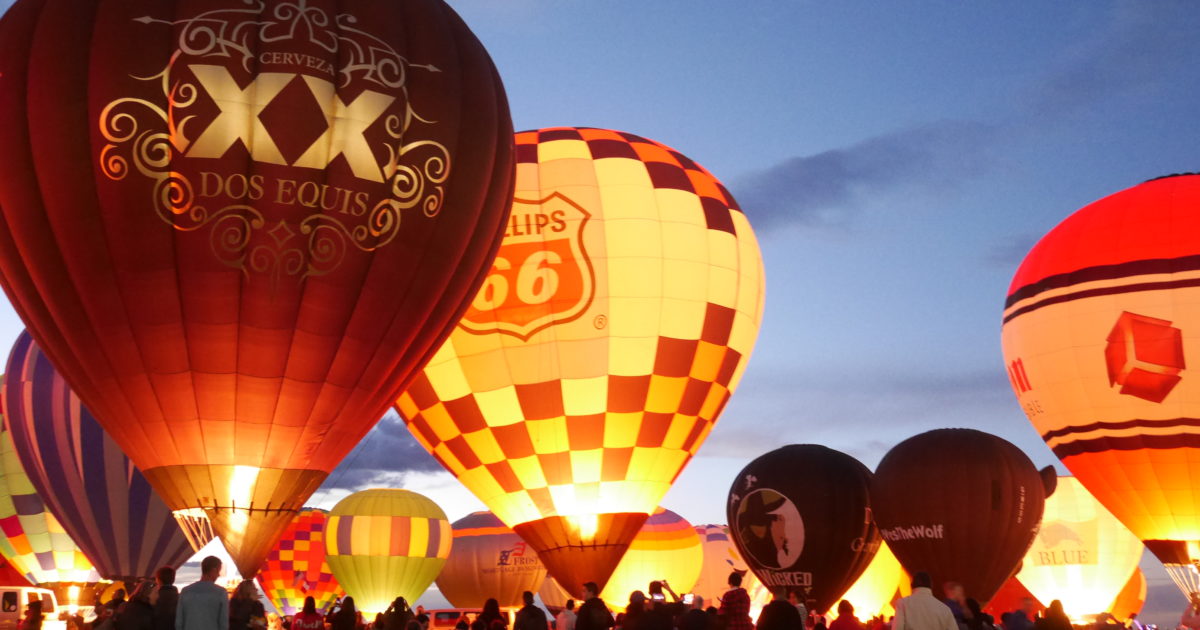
(13, 600)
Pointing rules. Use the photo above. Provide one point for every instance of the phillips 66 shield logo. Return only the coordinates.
(542, 274)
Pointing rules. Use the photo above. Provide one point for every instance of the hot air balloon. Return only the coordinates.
(801, 517)
(721, 558)
(34, 542)
(960, 504)
(488, 560)
(296, 567)
(1132, 597)
(666, 548)
(1098, 325)
(615, 323)
(386, 543)
(101, 500)
(880, 584)
(264, 218)
(1082, 555)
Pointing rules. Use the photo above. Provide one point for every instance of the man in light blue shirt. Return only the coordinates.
(204, 605)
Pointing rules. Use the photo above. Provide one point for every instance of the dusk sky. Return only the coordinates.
(897, 161)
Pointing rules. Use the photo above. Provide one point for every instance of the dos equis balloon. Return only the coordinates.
(237, 227)
(1101, 325)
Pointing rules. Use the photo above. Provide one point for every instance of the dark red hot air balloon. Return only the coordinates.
(960, 504)
(238, 227)
(801, 518)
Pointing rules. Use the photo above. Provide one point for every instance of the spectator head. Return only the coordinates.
(655, 588)
(921, 579)
(590, 590)
(794, 597)
(491, 608)
(845, 608)
(141, 593)
(697, 602)
(1027, 606)
(527, 597)
(165, 576)
(210, 568)
(119, 595)
(735, 579)
(310, 605)
(953, 591)
(570, 604)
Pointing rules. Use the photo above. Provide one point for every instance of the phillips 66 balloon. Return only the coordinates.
(102, 501)
(238, 227)
(801, 517)
(296, 567)
(488, 560)
(1082, 555)
(961, 505)
(1101, 322)
(385, 543)
(615, 323)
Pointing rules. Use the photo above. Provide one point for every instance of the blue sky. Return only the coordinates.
(897, 159)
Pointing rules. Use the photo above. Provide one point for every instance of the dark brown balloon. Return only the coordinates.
(801, 518)
(960, 504)
(239, 227)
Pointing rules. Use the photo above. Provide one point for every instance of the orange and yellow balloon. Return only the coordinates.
(879, 585)
(615, 323)
(666, 548)
(1082, 554)
(386, 543)
(296, 568)
(1100, 328)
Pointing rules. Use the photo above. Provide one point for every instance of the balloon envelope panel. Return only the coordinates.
(615, 323)
(1101, 321)
(386, 543)
(488, 560)
(296, 567)
(238, 229)
(98, 496)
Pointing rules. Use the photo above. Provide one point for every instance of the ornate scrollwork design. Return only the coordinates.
(146, 136)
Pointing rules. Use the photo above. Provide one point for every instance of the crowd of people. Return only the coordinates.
(204, 605)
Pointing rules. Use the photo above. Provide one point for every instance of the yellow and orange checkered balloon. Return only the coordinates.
(612, 328)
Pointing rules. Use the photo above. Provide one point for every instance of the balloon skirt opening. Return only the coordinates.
(580, 549)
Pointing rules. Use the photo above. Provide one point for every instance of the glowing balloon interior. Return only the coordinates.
(1101, 320)
(615, 323)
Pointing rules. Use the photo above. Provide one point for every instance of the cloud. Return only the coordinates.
(825, 189)
(384, 456)
(868, 413)
(1009, 251)
(1143, 43)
